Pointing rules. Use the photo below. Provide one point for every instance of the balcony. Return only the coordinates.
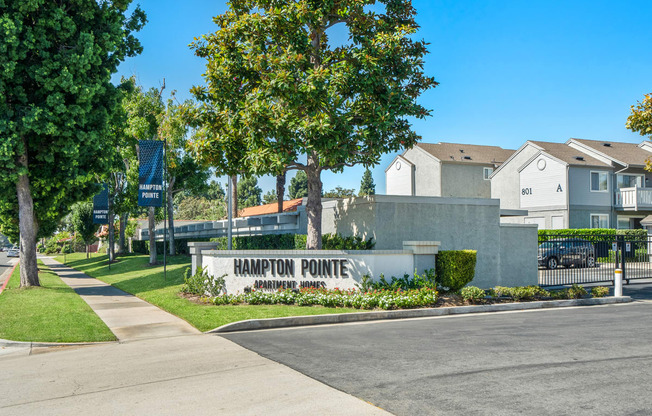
(633, 199)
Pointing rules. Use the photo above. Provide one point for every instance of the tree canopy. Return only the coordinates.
(367, 185)
(299, 185)
(640, 120)
(340, 192)
(249, 193)
(277, 90)
(57, 98)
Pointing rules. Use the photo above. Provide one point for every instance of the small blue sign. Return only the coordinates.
(101, 206)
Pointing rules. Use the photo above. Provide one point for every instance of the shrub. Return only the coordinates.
(201, 283)
(293, 242)
(599, 291)
(383, 299)
(455, 268)
(576, 292)
(427, 280)
(520, 293)
(472, 294)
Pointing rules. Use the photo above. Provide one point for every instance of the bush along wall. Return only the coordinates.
(294, 242)
(454, 269)
(602, 239)
(265, 242)
(181, 245)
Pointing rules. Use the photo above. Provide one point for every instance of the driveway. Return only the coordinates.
(592, 361)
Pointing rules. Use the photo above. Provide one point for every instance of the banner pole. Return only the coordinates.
(165, 210)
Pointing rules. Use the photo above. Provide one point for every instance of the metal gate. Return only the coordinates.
(570, 258)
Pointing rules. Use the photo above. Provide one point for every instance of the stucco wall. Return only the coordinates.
(505, 183)
(399, 178)
(458, 223)
(580, 187)
(580, 215)
(464, 181)
(518, 255)
(543, 183)
(427, 173)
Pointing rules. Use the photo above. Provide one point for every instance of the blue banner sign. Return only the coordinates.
(101, 206)
(150, 173)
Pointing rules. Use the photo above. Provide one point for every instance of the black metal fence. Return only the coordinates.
(567, 259)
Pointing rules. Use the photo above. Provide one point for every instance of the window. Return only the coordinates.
(629, 181)
(598, 181)
(623, 223)
(487, 173)
(599, 221)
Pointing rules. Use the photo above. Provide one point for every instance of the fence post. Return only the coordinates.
(621, 242)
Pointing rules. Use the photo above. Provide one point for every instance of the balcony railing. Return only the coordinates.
(633, 199)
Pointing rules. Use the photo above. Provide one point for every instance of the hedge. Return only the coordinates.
(264, 242)
(181, 245)
(454, 269)
(602, 238)
(639, 234)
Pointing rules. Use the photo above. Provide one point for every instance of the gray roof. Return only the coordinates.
(569, 155)
(627, 153)
(467, 153)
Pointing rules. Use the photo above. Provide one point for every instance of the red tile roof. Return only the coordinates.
(271, 208)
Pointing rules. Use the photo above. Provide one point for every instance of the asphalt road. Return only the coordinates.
(575, 361)
(6, 263)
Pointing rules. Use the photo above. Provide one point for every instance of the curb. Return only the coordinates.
(9, 343)
(271, 323)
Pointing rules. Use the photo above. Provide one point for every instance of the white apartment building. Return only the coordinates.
(576, 184)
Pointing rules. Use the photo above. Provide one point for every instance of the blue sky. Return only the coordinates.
(509, 71)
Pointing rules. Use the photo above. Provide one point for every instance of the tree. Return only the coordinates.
(56, 66)
(299, 185)
(640, 120)
(270, 197)
(214, 191)
(367, 185)
(249, 193)
(184, 172)
(340, 192)
(199, 208)
(81, 219)
(287, 93)
(280, 191)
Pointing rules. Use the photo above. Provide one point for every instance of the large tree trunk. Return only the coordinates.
(171, 216)
(28, 227)
(313, 207)
(280, 191)
(121, 239)
(234, 196)
(152, 236)
(111, 249)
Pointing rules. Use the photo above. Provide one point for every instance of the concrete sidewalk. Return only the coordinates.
(127, 316)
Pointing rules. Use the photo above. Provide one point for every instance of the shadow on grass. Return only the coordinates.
(133, 274)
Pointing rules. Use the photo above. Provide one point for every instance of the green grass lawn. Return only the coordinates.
(52, 312)
(133, 275)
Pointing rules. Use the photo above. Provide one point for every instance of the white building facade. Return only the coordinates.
(577, 184)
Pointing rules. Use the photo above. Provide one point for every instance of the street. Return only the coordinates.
(6, 264)
(571, 361)
(587, 360)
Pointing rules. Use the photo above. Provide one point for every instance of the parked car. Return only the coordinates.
(13, 252)
(566, 252)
